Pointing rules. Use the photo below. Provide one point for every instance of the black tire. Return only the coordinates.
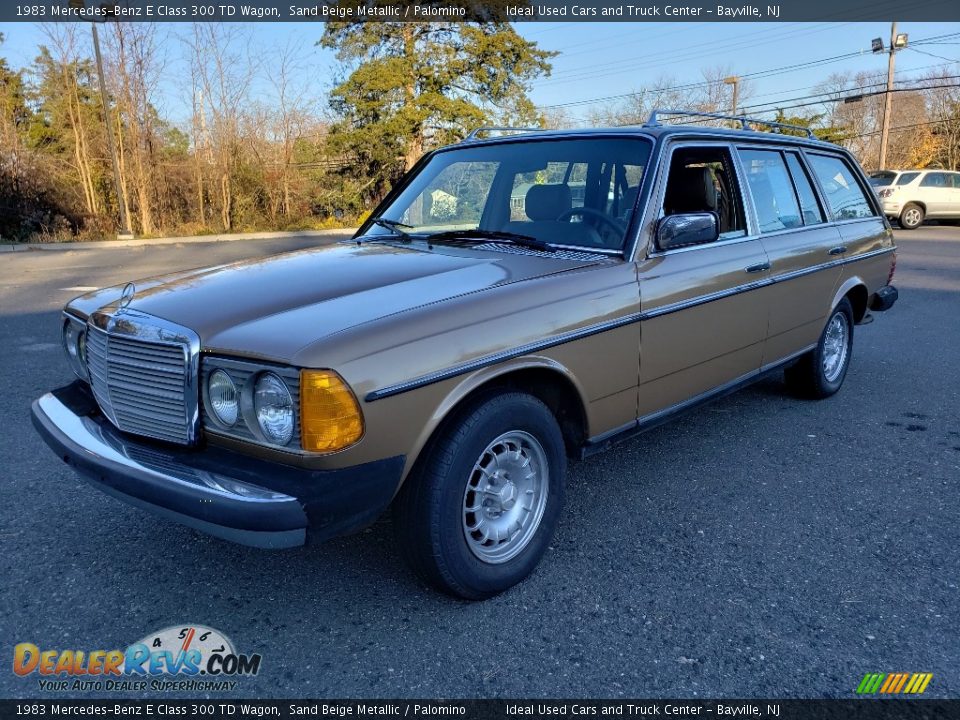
(911, 217)
(808, 377)
(430, 514)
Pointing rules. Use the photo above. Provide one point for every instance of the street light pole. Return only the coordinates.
(125, 231)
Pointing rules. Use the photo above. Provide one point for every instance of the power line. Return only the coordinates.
(850, 93)
(757, 74)
(678, 55)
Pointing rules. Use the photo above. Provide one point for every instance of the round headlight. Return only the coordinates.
(274, 409)
(75, 345)
(224, 398)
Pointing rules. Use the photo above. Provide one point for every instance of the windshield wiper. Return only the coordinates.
(396, 226)
(480, 236)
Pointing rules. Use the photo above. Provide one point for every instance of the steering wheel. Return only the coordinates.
(612, 223)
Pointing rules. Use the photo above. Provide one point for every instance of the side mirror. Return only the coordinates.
(674, 231)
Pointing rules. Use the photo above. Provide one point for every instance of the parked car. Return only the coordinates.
(912, 196)
(450, 358)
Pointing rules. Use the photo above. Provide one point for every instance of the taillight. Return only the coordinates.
(893, 268)
(885, 192)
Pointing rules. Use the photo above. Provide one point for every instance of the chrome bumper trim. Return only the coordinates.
(143, 476)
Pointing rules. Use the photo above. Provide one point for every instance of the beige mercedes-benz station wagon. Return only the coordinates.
(519, 299)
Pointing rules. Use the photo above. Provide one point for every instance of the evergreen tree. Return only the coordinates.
(414, 86)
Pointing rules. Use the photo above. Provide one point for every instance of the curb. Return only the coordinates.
(193, 239)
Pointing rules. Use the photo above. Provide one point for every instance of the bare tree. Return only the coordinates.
(224, 69)
(943, 105)
(135, 70)
(70, 110)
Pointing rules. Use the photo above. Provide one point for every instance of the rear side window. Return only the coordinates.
(907, 178)
(937, 180)
(772, 190)
(956, 180)
(844, 194)
(809, 207)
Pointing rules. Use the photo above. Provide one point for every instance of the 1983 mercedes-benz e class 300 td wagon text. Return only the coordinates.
(518, 299)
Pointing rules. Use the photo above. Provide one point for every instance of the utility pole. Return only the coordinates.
(735, 81)
(897, 42)
(125, 231)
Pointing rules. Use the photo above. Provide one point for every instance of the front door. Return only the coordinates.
(704, 322)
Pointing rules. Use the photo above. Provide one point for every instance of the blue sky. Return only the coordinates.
(601, 60)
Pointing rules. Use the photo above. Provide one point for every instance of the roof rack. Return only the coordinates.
(475, 135)
(654, 121)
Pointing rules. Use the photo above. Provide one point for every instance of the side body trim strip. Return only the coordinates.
(653, 420)
(584, 332)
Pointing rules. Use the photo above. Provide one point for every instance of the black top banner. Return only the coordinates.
(255, 11)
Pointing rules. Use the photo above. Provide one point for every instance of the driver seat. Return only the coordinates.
(543, 204)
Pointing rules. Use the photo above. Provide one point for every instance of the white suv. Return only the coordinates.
(911, 196)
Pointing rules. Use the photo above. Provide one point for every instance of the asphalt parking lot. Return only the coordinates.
(763, 546)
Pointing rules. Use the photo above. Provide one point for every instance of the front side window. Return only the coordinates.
(580, 193)
(844, 194)
(702, 179)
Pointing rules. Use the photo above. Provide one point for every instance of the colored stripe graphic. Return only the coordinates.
(894, 683)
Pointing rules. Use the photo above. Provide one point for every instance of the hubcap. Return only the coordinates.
(505, 497)
(912, 217)
(835, 347)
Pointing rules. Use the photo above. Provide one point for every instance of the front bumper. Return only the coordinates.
(223, 493)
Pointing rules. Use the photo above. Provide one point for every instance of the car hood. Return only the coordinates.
(271, 307)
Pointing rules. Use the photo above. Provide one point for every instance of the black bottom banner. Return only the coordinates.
(868, 709)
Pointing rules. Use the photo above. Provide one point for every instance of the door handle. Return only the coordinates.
(839, 250)
(759, 267)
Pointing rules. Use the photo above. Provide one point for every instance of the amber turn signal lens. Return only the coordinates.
(330, 417)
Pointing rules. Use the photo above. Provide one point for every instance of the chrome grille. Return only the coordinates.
(142, 385)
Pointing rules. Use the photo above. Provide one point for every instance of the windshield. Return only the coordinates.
(578, 193)
(882, 178)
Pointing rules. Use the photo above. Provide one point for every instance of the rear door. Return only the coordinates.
(936, 192)
(801, 245)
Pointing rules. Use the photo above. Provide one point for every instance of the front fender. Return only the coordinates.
(476, 380)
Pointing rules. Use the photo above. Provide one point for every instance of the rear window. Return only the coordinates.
(844, 194)
(882, 178)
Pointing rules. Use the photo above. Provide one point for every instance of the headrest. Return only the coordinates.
(690, 189)
(548, 202)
